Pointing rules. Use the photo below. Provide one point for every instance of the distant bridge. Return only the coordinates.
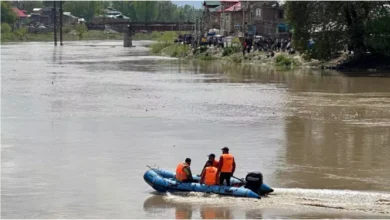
(118, 24)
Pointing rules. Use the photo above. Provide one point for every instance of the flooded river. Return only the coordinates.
(80, 123)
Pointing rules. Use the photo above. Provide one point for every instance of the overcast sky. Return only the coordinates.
(196, 4)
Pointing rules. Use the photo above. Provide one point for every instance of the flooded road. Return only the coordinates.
(80, 123)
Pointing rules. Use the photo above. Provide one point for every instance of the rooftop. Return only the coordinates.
(20, 13)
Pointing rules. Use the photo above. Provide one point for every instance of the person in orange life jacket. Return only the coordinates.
(212, 160)
(209, 175)
(183, 172)
(226, 166)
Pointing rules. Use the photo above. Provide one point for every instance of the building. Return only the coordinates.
(267, 18)
(235, 17)
(45, 16)
(69, 19)
(211, 17)
(113, 13)
(21, 16)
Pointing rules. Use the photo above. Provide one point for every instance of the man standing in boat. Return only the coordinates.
(226, 166)
(183, 172)
(212, 160)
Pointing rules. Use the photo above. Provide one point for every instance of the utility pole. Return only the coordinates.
(201, 26)
(243, 18)
(54, 10)
(222, 29)
(199, 30)
(61, 14)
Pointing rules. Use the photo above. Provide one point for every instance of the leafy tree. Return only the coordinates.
(332, 24)
(145, 10)
(5, 28)
(166, 11)
(81, 29)
(84, 9)
(126, 7)
(27, 5)
(7, 14)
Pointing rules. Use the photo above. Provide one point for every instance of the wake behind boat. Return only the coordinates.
(165, 181)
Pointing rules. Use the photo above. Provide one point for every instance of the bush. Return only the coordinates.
(230, 50)
(283, 60)
(227, 51)
(306, 56)
(156, 35)
(81, 29)
(236, 41)
(21, 33)
(237, 59)
(67, 28)
(5, 28)
(206, 56)
(157, 47)
(176, 50)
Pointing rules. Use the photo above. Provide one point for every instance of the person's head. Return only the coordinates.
(211, 157)
(225, 150)
(188, 161)
(208, 164)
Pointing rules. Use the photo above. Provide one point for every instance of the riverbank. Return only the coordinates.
(232, 55)
(370, 64)
(89, 35)
(71, 34)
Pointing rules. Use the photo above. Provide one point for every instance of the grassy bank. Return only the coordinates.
(89, 35)
(71, 33)
(164, 46)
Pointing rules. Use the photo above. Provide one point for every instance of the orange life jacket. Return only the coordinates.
(210, 177)
(215, 163)
(180, 174)
(227, 166)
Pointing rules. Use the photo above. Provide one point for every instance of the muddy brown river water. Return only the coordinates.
(80, 123)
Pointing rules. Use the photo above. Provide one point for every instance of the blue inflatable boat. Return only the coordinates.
(164, 181)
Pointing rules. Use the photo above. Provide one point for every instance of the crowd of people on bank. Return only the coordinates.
(214, 172)
(267, 44)
(249, 43)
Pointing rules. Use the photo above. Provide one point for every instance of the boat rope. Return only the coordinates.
(154, 167)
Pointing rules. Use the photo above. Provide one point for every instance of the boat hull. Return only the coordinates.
(162, 181)
(264, 188)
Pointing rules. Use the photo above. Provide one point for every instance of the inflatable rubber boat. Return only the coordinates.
(164, 181)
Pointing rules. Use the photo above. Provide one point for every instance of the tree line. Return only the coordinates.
(362, 25)
(135, 10)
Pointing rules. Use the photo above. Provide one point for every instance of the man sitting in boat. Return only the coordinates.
(209, 175)
(212, 160)
(183, 172)
(226, 166)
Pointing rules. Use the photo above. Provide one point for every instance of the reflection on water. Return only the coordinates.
(285, 203)
(81, 122)
(186, 210)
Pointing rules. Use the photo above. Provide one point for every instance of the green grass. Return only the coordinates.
(165, 44)
(176, 50)
(88, 35)
(71, 34)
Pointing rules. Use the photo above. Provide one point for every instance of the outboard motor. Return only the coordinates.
(253, 181)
